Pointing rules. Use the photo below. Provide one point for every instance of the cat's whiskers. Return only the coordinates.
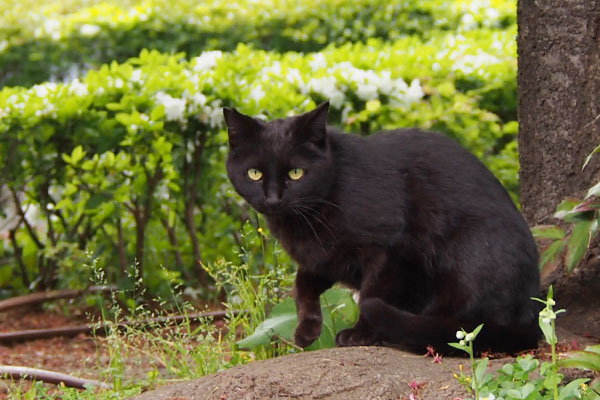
(298, 212)
(317, 217)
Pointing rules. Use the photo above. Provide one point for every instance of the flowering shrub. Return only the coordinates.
(127, 161)
(51, 39)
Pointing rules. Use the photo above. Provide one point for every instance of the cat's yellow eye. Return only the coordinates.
(296, 173)
(254, 174)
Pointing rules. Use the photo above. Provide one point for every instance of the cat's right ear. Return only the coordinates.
(240, 127)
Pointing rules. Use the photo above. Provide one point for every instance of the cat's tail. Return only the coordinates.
(391, 325)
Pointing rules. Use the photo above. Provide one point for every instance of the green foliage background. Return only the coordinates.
(112, 141)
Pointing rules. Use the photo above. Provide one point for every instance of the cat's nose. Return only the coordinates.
(272, 200)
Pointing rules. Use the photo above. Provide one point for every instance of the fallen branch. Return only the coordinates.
(33, 334)
(35, 374)
(41, 297)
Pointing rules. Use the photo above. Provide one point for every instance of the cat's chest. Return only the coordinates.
(320, 249)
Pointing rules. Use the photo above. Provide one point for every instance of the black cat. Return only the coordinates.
(417, 224)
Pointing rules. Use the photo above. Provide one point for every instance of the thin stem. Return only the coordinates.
(554, 364)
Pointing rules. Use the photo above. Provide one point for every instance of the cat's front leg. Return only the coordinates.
(308, 287)
(375, 285)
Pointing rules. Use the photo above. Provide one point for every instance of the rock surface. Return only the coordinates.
(338, 373)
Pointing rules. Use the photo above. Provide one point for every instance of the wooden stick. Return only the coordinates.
(33, 334)
(41, 297)
(35, 374)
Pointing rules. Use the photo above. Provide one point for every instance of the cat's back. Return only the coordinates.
(387, 178)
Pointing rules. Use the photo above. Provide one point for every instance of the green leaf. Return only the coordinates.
(77, 155)
(548, 331)
(577, 244)
(476, 331)
(527, 363)
(479, 367)
(338, 309)
(460, 347)
(571, 390)
(593, 191)
(550, 253)
(589, 157)
(565, 208)
(548, 232)
(95, 201)
(586, 359)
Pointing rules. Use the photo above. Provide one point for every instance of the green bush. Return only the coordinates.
(128, 163)
(57, 39)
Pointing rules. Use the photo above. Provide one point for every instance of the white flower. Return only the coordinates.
(273, 69)
(318, 61)
(490, 397)
(327, 87)
(414, 92)
(199, 99)
(207, 60)
(174, 108)
(336, 99)
(460, 335)
(52, 26)
(78, 88)
(293, 76)
(118, 83)
(469, 337)
(212, 114)
(366, 91)
(257, 93)
(89, 30)
(42, 90)
(136, 75)
(468, 21)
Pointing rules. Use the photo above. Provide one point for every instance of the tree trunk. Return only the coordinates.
(559, 101)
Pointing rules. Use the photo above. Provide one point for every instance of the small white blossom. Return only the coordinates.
(257, 93)
(460, 335)
(136, 75)
(89, 30)
(366, 91)
(215, 117)
(469, 337)
(468, 21)
(78, 88)
(174, 108)
(52, 26)
(42, 90)
(199, 99)
(207, 60)
(318, 61)
(118, 83)
(327, 87)
(414, 92)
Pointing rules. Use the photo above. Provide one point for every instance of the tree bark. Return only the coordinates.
(559, 101)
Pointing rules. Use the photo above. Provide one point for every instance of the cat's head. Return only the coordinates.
(280, 165)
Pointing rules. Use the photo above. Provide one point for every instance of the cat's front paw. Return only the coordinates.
(308, 331)
(355, 337)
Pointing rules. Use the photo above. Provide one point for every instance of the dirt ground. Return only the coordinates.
(366, 373)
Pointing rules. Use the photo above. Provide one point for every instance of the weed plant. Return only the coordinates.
(527, 378)
(140, 356)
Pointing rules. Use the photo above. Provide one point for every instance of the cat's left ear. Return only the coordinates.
(314, 124)
(240, 127)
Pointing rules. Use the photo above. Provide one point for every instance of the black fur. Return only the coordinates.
(417, 224)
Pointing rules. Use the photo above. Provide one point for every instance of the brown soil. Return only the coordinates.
(351, 373)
